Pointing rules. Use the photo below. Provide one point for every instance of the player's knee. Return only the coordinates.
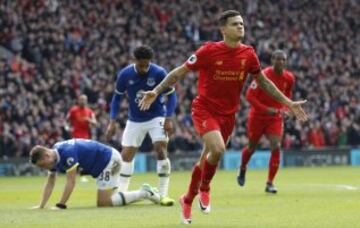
(160, 149)
(218, 150)
(127, 156)
(275, 145)
(101, 203)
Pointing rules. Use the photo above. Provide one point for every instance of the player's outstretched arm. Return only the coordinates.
(294, 106)
(69, 187)
(150, 96)
(48, 188)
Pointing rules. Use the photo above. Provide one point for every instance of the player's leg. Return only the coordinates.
(273, 134)
(194, 185)
(216, 142)
(187, 199)
(108, 181)
(163, 166)
(163, 169)
(107, 198)
(254, 131)
(132, 138)
(127, 168)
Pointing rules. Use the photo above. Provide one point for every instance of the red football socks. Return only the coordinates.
(245, 158)
(194, 185)
(208, 173)
(274, 164)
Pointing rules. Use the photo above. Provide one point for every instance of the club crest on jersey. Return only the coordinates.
(219, 62)
(131, 82)
(192, 59)
(150, 82)
(70, 161)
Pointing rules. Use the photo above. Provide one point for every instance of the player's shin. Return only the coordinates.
(245, 157)
(207, 174)
(194, 185)
(273, 164)
(127, 169)
(163, 171)
(123, 198)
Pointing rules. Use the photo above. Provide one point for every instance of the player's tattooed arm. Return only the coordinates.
(270, 87)
(172, 77)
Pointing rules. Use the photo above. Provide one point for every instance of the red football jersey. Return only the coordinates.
(222, 73)
(260, 100)
(80, 126)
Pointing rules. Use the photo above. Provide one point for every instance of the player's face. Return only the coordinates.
(279, 61)
(234, 28)
(82, 101)
(142, 66)
(47, 161)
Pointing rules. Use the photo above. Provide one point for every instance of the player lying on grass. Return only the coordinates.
(88, 157)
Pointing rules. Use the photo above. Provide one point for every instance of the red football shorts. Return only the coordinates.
(206, 121)
(257, 126)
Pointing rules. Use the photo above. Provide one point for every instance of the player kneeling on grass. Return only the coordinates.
(98, 160)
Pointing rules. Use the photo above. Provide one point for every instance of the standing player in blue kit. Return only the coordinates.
(134, 79)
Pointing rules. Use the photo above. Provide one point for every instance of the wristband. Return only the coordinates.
(61, 205)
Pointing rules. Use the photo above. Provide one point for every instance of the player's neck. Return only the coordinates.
(278, 71)
(232, 43)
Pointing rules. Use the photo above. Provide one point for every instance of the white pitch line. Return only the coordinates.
(347, 187)
(339, 186)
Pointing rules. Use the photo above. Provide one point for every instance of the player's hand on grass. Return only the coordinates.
(296, 109)
(148, 98)
(110, 131)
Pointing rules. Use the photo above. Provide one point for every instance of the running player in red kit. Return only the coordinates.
(265, 117)
(223, 68)
(81, 119)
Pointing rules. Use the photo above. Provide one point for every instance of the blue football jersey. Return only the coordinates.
(129, 81)
(89, 156)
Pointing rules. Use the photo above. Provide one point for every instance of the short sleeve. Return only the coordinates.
(254, 63)
(199, 59)
(162, 74)
(120, 83)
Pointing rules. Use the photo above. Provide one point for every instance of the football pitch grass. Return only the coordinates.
(308, 197)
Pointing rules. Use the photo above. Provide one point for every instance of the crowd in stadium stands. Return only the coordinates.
(65, 48)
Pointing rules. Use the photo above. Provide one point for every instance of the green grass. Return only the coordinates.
(308, 197)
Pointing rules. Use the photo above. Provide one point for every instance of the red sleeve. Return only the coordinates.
(289, 91)
(91, 112)
(71, 113)
(251, 96)
(199, 59)
(253, 63)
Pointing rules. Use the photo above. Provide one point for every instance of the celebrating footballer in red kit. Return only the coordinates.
(266, 117)
(223, 68)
